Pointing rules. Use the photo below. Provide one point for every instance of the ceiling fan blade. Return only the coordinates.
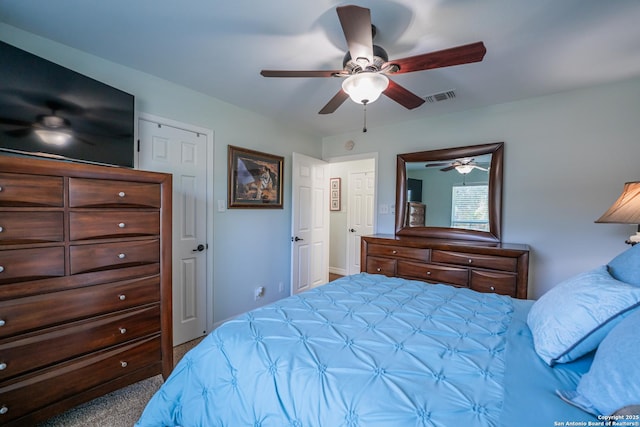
(403, 96)
(465, 54)
(285, 73)
(19, 133)
(356, 25)
(448, 168)
(13, 122)
(334, 103)
(83, 140)
(428, 165)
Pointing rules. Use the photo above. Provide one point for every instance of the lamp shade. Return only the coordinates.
(625, 210)
(365, 87)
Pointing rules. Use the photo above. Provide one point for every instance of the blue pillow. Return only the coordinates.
(573, 317)
(626, 266)
(613, 381)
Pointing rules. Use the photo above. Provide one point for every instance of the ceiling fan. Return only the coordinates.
(366, 66)
(463, 166)
(51, 128)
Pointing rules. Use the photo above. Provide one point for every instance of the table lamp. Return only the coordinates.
(626, 210)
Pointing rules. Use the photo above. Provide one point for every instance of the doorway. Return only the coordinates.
(312, 260)
(357, 214)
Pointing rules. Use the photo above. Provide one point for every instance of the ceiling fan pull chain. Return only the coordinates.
(364, 128)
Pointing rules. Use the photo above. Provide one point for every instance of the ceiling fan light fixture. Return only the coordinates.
(464, 169)
(365, 87)
(53, 137)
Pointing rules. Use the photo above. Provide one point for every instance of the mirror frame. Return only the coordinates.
(495, 192)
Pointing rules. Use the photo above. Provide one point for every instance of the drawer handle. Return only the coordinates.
(428, 273)
(1, 229)
(493, 288)
(3, 366)
(378, 269)
(122, 225)
(121, 194)
(2, 322)
(123, 364)
(470, 261)
(1, 269)
(123, 330)
(394, 252)
(122, 297)
(122, 256)
(4, 410)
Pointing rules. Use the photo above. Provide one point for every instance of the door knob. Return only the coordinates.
(352, 230)
(296, 239)
(200, 248)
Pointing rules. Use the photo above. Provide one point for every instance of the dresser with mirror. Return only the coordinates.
(448, 223)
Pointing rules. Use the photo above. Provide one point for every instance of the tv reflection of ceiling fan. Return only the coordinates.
(52, 128)
(463, 166)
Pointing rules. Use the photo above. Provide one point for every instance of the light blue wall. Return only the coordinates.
(567, 157)
(251, 247)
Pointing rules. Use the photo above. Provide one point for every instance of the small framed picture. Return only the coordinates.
(254, 179)
(334, 191)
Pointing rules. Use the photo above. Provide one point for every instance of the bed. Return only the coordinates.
(369, 350)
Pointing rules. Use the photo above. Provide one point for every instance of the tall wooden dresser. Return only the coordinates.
(85, 283)
(485, 267)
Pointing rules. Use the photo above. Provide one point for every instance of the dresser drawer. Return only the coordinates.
(95, 225)
(32, 352)
(18, 265)
(30, 190)
(487, 281)
(38, 390)
(384, 266)
(35, 312)
(106, 256)
(31, 227)
(105, 193)
(398, 252)
(475, 260)
(434, 273)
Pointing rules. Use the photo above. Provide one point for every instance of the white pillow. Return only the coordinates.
(573, 317)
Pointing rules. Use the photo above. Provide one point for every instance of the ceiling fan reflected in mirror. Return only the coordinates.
(462, 166)
(366, 66)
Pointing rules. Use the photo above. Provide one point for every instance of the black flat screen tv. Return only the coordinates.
(51, 111)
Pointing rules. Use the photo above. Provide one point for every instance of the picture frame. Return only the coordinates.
(254, 179)
(334, 194)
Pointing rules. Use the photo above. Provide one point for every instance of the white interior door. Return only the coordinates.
(310, 223)
(183, 153)
(361, 215)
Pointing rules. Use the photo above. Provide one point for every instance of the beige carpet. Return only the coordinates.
(121, 408)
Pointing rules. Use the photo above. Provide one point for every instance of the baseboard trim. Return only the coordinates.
(338, 270)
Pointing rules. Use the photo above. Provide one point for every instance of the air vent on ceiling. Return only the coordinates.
(442, 96)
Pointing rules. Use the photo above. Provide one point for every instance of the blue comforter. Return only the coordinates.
(369, 350)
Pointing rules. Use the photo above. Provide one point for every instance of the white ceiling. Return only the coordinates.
(534, 47)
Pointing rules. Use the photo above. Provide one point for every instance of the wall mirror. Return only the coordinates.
(453, 193)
